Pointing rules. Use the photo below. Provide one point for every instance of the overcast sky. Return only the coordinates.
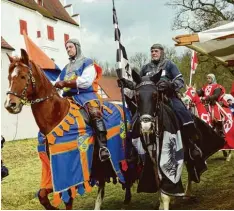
(141, 22)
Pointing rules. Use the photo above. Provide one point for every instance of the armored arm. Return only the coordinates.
(200, 93)
(177, 78)
(86, 79)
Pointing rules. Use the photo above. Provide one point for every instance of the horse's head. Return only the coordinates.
(146, 99)
(21, 82)
(190, 96)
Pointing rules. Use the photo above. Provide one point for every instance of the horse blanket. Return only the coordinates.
(170, 158)
(228, 123)
(200, 110)
(71, 147)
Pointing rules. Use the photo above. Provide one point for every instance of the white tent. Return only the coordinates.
(216, 42)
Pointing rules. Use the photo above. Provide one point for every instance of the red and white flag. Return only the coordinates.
(194, 62)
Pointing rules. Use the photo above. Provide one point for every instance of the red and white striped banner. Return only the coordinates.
(194, 62)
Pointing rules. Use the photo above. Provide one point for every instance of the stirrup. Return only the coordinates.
(105, 157)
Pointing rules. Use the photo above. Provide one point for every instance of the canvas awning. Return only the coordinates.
(217, 42)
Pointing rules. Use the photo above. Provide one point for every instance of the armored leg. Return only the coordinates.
(189, 131)
(99, 129)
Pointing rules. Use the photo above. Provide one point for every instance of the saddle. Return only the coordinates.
(85, 113)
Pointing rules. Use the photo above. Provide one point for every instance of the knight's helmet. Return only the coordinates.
(212, 76)
(159, 46)
(77, 45)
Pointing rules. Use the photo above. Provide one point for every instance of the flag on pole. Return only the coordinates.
(121, 55)
(194, 62)
(123, 71)
(35, 54)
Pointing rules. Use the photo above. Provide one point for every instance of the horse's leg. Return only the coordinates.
(128, 195)
(188, 190)
(225, 153)
(69, 204)
(152, 153)
(100, 196)
(164, 201)
(43, 198)
(229, 155)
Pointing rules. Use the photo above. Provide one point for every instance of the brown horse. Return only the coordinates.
(28, 84)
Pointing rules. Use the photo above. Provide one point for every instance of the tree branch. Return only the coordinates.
(218, 12)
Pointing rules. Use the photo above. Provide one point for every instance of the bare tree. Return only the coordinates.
(170, 53)
(138, 60)
(198, 15)
(95, 60)
(110, 72)
(106, 68)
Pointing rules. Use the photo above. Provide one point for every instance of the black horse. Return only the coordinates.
(157, 125)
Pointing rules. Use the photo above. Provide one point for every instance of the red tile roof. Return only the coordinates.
(4, 44)
(110, 87)
(52, 9)
(57, 10)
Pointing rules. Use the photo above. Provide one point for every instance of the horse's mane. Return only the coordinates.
(42, 76)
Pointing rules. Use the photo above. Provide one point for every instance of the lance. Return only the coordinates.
(119, 69)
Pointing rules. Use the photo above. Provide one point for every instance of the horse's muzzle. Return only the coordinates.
(13, 107)
(147, 124)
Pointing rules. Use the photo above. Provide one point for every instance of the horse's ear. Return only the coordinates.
(10, 58)
(136, 77)
(156, 77)
(194, 86)
(24, 57)
(187, 87)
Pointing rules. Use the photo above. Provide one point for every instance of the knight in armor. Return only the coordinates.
(79, 80)
(210, 94)
(170, 83)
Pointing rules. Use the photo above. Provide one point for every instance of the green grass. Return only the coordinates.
(215, 191)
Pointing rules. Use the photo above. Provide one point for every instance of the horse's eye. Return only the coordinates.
(23, 77)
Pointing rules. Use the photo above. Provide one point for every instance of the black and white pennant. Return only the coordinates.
(121, 55)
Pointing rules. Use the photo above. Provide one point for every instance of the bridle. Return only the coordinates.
(143, 83)
(24, 99)
(147, 118)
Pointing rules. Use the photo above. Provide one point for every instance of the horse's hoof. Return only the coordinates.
(229, 157)
(53, 208)
(225, 154)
